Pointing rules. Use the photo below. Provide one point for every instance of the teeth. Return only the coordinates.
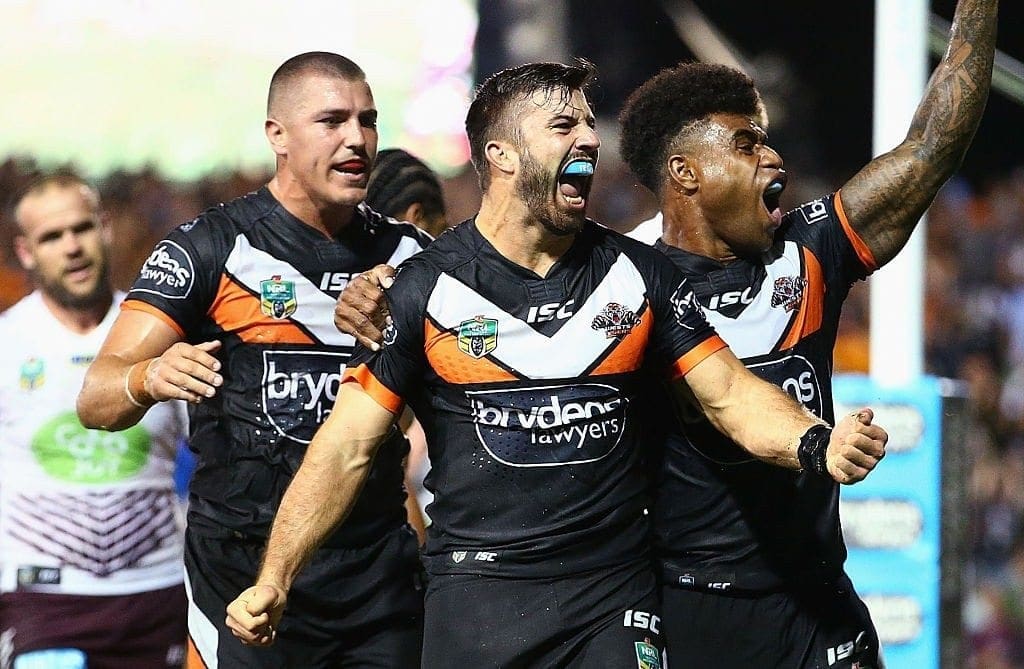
(579, 168)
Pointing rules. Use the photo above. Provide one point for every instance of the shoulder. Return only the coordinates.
(648, 231)
(22, 313)
(228, 219)
(809, 220)
(452, 248)
(378, 223)
(640, 253)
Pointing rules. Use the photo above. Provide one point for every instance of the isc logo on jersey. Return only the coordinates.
(299, 389)
(730, 298)
(549, 426)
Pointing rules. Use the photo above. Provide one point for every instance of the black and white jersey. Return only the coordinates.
(527, 388)
(264, 283)
(721, 516)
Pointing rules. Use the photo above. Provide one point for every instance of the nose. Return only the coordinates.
(588, 139)
(71, 243)
(770, 157)
(355, 136)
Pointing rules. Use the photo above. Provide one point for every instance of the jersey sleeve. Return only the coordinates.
(682, 336)
(388, 375)
(178, 281)
(822, 227)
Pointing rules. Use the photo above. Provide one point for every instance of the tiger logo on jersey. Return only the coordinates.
(788, 292)
(616, 321)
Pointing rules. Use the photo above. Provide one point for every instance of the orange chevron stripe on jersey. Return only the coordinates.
(808, 318)
(863, 252)
(454, 366)
(193, 660)
(695, 356)
(380, 393)
(628, 355)
(237, 310)
(145, 307)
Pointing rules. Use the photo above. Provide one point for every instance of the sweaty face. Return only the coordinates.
(62, 245)
(741, 178)
(556, 160)
(330, 137)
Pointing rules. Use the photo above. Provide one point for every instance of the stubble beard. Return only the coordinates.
(99, 296)
(535, 187)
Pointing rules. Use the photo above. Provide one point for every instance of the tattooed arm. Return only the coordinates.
(884, 201)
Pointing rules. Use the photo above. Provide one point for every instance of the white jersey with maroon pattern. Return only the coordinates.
(83, 512)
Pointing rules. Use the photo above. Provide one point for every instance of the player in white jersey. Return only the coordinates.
(90, 529)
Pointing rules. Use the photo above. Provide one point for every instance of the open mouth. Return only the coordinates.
(771, 197)
(574, 181)
(355, 167)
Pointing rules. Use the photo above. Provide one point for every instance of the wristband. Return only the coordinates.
(127, 389)
(811, 450)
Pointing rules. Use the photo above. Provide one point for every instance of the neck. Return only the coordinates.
(80, 320)
(507, 224)
(684, 227)
(327, 220)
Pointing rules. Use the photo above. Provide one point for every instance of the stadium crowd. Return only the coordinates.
(974, 330)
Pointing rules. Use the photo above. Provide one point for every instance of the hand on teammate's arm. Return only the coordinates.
(143, 361)
(768, 423)
(184, 372)
(362, 310)
(318, 499)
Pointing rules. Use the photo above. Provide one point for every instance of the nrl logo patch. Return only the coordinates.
(788, 292)
(277, 297)
(647, 656)
(616, 321)
(33, 374)
(478, 336)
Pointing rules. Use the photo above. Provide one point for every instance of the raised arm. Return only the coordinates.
(772, 426)
(884, 201)
(319, 498)
(143, 361)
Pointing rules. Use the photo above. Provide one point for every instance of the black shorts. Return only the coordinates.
(349, 607)
(826, 627)
(144, 630)
(607, 619)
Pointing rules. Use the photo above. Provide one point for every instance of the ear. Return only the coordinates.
(502, 156)
(682, 174)
(277, 135)
(413, 213)
(28, 262)
(106, 229)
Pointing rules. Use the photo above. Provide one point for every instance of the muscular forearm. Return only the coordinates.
(319, 498)
(113, 396)
(763, 419)
(949, 113)
(887, 197)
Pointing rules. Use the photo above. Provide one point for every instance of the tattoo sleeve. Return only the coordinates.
(884, 201)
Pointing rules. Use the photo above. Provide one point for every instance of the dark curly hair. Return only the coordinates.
(399, 179)
(655, 114)
(492, 113)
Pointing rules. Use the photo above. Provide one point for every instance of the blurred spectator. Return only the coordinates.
(90, 527)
